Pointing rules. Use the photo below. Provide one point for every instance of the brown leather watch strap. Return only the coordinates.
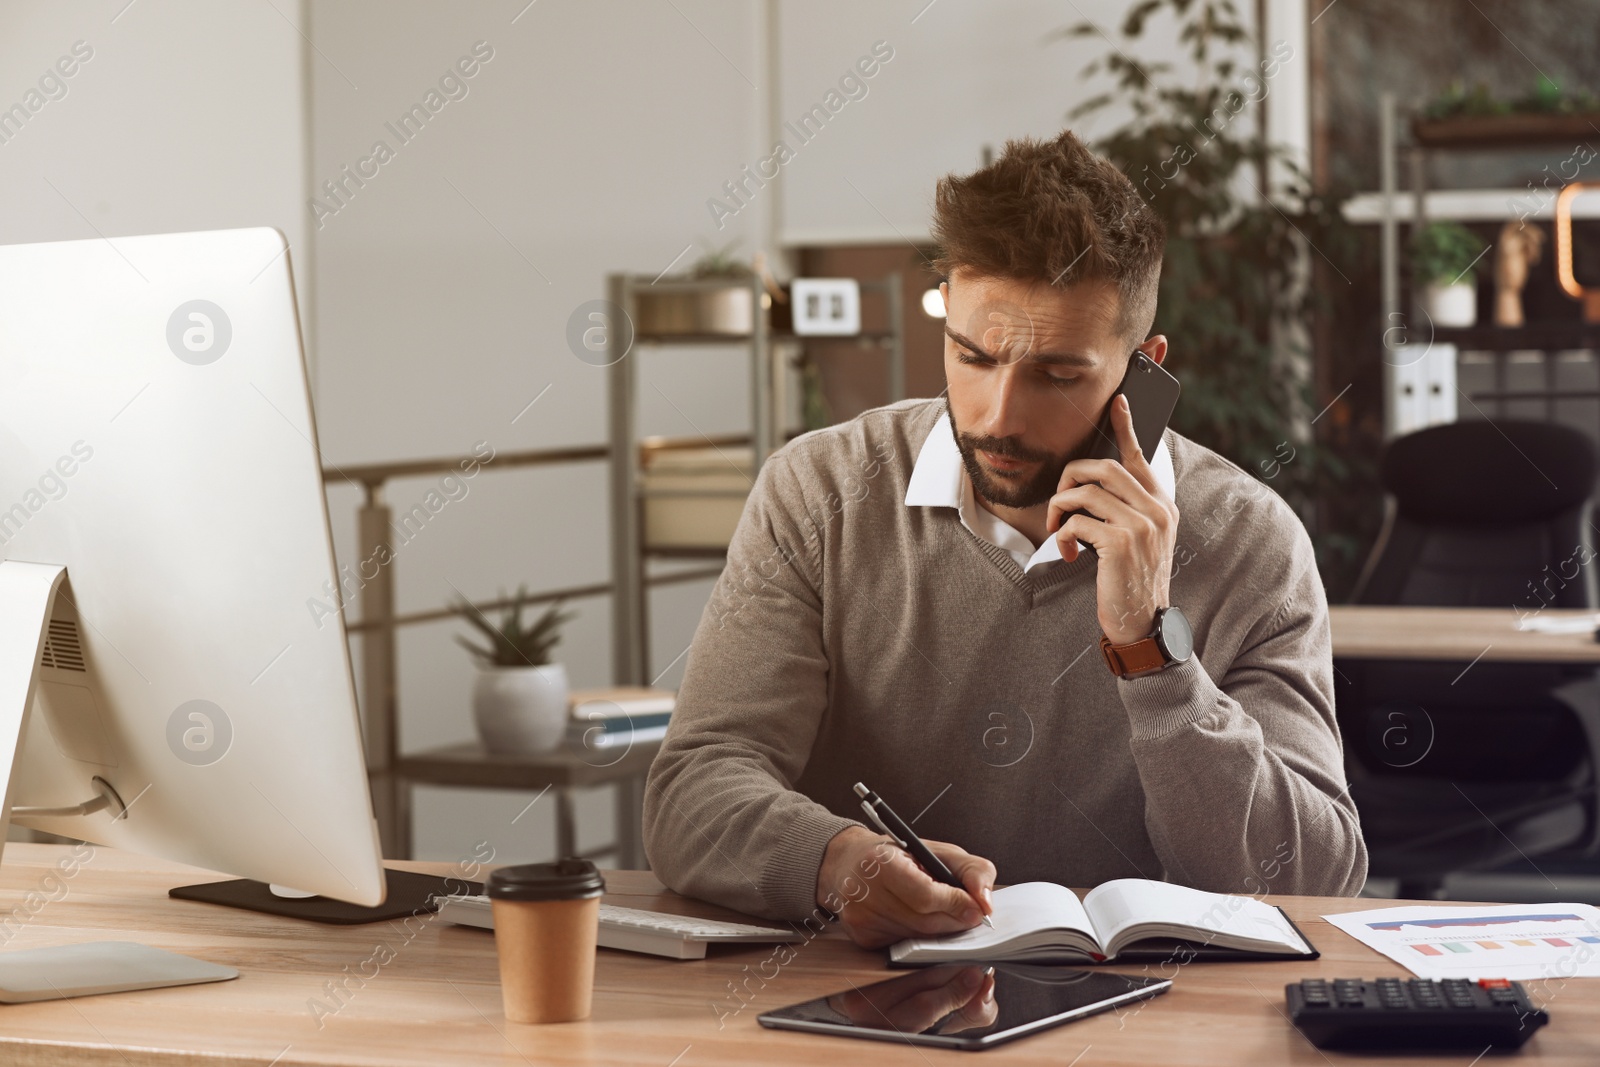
(1135, 658)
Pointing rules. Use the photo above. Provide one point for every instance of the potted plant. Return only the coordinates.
(1464, 117)
(1444, 257)
(720, 299)
(519, 700)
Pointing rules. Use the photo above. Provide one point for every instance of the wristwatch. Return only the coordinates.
(1171, 642)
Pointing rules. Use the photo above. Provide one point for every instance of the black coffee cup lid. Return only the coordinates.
(569, 879)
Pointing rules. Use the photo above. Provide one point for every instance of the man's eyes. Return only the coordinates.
(974, 360)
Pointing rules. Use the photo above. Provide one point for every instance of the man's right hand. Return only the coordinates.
(881, 895)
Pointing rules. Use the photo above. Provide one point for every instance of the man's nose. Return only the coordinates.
(1006, 415)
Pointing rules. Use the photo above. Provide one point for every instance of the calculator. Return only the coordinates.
(1416, 1013)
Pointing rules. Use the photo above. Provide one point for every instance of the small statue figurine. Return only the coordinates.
(1515, 253)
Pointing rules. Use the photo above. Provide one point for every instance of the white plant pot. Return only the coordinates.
(1451, 305)
(730, 311)
(521, 710)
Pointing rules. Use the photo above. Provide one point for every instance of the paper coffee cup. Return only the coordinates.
(546, 924)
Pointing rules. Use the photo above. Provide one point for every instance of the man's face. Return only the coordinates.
(1030, 370)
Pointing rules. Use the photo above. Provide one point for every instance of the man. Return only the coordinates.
(905, 606)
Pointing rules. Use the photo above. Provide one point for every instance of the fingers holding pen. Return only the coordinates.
(976, 873)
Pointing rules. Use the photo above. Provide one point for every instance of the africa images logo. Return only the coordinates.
(199, 332)
(199, 733)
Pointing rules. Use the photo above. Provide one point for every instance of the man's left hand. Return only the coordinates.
(1132, 524)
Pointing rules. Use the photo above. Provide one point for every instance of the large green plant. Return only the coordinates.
(1231, 302)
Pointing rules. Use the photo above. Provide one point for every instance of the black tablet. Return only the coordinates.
(948, 1006)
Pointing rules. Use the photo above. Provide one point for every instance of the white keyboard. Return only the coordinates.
(677, 937)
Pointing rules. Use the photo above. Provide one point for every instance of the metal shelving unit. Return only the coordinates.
(630, 555)
(1501, 346)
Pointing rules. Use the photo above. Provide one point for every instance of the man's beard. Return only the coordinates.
(1009, 492)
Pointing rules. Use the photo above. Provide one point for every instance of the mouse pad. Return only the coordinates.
(409, 893)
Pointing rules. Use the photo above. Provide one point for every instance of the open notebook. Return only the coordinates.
(1129, 918)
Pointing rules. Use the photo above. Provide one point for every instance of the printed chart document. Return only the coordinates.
(1521, 942)
(1042, 922)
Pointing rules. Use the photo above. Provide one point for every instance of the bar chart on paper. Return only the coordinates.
(1513, 941)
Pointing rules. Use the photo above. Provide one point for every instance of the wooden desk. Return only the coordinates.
(1363, 632)
(437, 1001)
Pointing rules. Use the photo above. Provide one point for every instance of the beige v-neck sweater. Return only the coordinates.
(855, 638)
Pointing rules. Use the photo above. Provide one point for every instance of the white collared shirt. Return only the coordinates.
(939, 480)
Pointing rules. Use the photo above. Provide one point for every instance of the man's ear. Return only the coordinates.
(944, 294)
(1155, 348)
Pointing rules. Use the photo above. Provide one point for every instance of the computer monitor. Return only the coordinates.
(192, 680)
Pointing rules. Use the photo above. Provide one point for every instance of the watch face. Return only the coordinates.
(1177, 639)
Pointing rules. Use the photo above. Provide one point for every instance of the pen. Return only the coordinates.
(891, 824)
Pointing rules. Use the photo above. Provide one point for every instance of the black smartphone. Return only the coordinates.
(1152, 395)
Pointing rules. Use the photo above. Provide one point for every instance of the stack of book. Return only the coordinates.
(620, 716)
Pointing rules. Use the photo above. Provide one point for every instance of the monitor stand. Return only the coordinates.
(27, 595)
(409, 895)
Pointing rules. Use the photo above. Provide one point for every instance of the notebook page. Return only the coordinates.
(1018, 910)
(1125, 902)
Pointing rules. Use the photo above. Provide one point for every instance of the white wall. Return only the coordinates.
(963, 76)
(187, 116)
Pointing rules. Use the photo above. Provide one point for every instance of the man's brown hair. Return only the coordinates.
(1054, 212)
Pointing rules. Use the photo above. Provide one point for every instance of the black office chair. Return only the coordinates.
(1475, 765)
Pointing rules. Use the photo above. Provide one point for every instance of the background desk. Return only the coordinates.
(1382, 632)
(437, 1001)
